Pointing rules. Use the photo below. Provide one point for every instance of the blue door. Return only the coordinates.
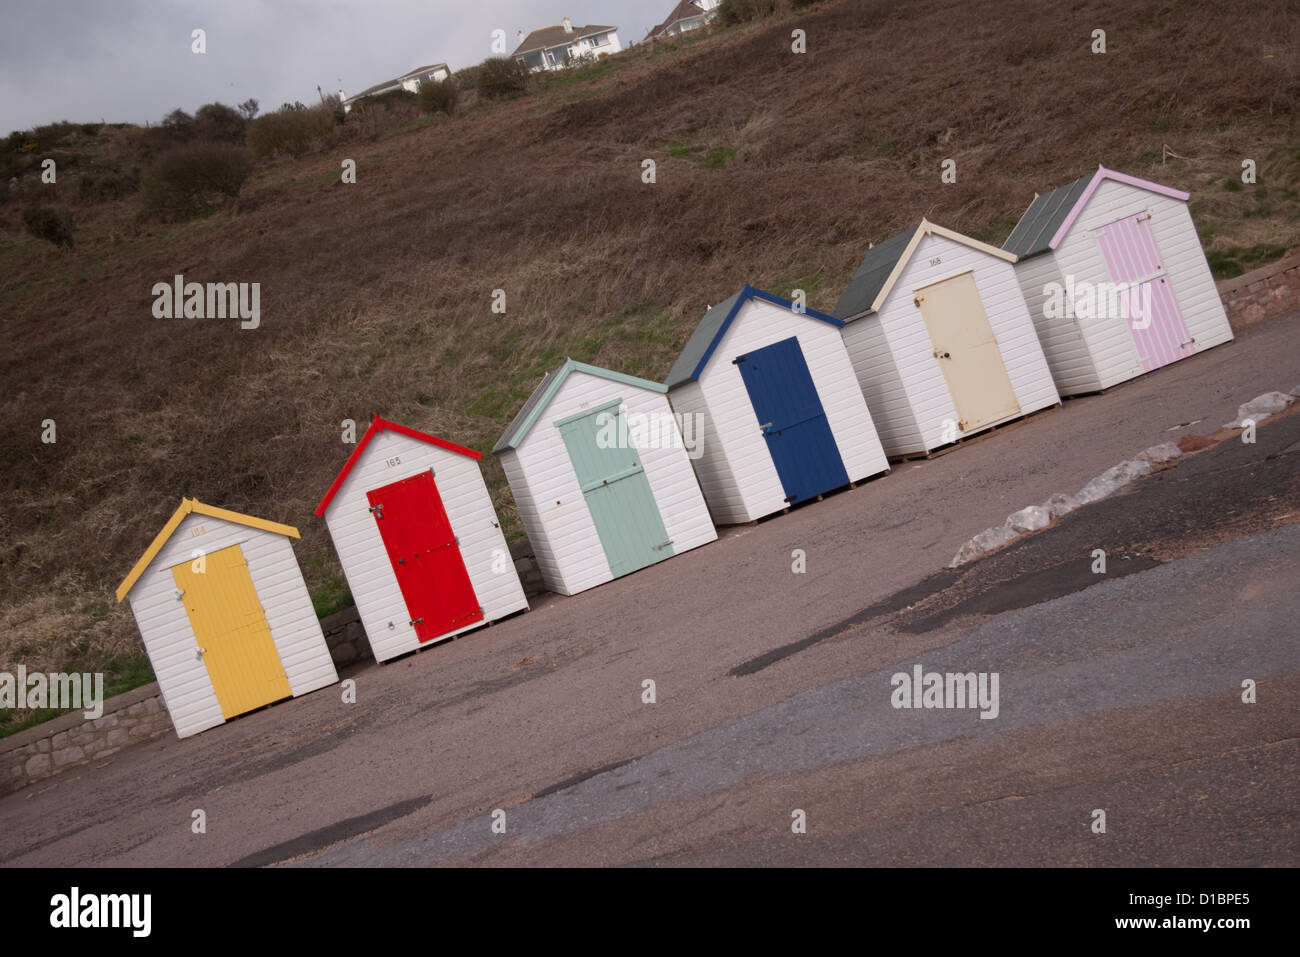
(790, 413)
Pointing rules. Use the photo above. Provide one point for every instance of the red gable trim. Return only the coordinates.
(379, 425)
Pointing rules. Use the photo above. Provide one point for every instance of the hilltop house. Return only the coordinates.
(551, 48)
(686, 16)
(434, 72)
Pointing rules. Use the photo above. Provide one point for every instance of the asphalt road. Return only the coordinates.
(1119, 692)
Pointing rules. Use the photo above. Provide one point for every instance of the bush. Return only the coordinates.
(108, 184)
(191, 179)
(439, 97)
(216, 121)
(290, 130)
(741, 11)
(52, 225)
(499, 77)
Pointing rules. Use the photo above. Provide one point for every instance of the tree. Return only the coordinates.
(248, 108)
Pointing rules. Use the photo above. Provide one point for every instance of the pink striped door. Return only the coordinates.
(1132, 256)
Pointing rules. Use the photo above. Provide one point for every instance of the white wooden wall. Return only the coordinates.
(551, 503)
(366, 564)
(169, 639)
(1110, 341)
(754, 487)
(882, 386)
(913, 350)
(1073, 369)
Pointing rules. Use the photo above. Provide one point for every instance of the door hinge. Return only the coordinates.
(1191, 341)
(738, 360)
(942, 355)
(659, 548)
(415, 621)
(180, 593)
(378, 510)
(917, 300)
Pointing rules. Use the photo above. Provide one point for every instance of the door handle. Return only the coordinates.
(941, 355)
(765, 426)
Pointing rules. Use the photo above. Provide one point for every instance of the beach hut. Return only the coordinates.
(225, 616)
(779, 417)
(941, 339)
(1116, 280)
(419, 540)
(602, 477)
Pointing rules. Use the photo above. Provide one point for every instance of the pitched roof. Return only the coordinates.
(885, 262)
(685, 10)
(188, 506)
(536, 403)
(1050, 216)
(548, 37)
(383, 425)
(704, 340)
(395, 83)
(1033, 234)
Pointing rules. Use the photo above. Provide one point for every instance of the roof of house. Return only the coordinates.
(1050, 216)
(708, 334)
(536, 403)
(685, 10)
(188, 506)
(885, 262)
(548, 37)
(396, 82)
(383, 425)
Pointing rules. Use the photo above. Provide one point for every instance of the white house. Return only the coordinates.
(686, 16)
(419, 540)
(601, 474)
(941, 339)
(554, 48)
(1116, 280)
(780, 416)
(433, 73)
(225, 616)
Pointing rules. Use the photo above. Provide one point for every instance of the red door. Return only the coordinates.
(425, 555)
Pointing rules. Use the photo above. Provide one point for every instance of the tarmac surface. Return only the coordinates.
(1120, 692)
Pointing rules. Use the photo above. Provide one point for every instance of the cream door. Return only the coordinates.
(966, 351)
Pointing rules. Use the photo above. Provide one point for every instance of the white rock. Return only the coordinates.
(1160, 454)
(1060, 504)
(1029, 519)
(1111, 480)
(986, 541)
(1261, 407)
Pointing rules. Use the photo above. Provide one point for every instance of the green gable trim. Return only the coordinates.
(537, 403)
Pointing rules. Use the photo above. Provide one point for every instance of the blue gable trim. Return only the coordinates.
(680, 375)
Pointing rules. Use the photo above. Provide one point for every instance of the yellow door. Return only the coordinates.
(966, 351)
(233, 635)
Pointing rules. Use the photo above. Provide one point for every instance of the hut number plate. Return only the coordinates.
(395, 460)
(935, 261)
(198, 531)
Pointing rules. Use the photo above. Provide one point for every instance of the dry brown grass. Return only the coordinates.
(375, 297)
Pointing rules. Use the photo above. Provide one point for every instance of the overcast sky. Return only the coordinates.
(130, 60)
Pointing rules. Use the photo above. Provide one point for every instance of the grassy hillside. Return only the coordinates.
(772, 168)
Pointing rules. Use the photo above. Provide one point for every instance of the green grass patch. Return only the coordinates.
(1232, 262)
(121, 674)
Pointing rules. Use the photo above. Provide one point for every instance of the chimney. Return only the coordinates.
(568, 25)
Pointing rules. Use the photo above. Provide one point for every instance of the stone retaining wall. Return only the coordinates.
(1263, 293)
(71, 740)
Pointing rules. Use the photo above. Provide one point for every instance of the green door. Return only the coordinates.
(615, 487)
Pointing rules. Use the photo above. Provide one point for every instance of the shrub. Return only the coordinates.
(439, 97)
(499, 77)
(191, 179)
(216, 121)
(289, 130)
(52, 225)
(108, 184)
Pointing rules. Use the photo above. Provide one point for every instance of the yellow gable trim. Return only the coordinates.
(187, 506)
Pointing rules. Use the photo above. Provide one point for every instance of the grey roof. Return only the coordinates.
(548, 38)
(871, 275)
(525, 412)
(1033, 234)
(697, 347)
